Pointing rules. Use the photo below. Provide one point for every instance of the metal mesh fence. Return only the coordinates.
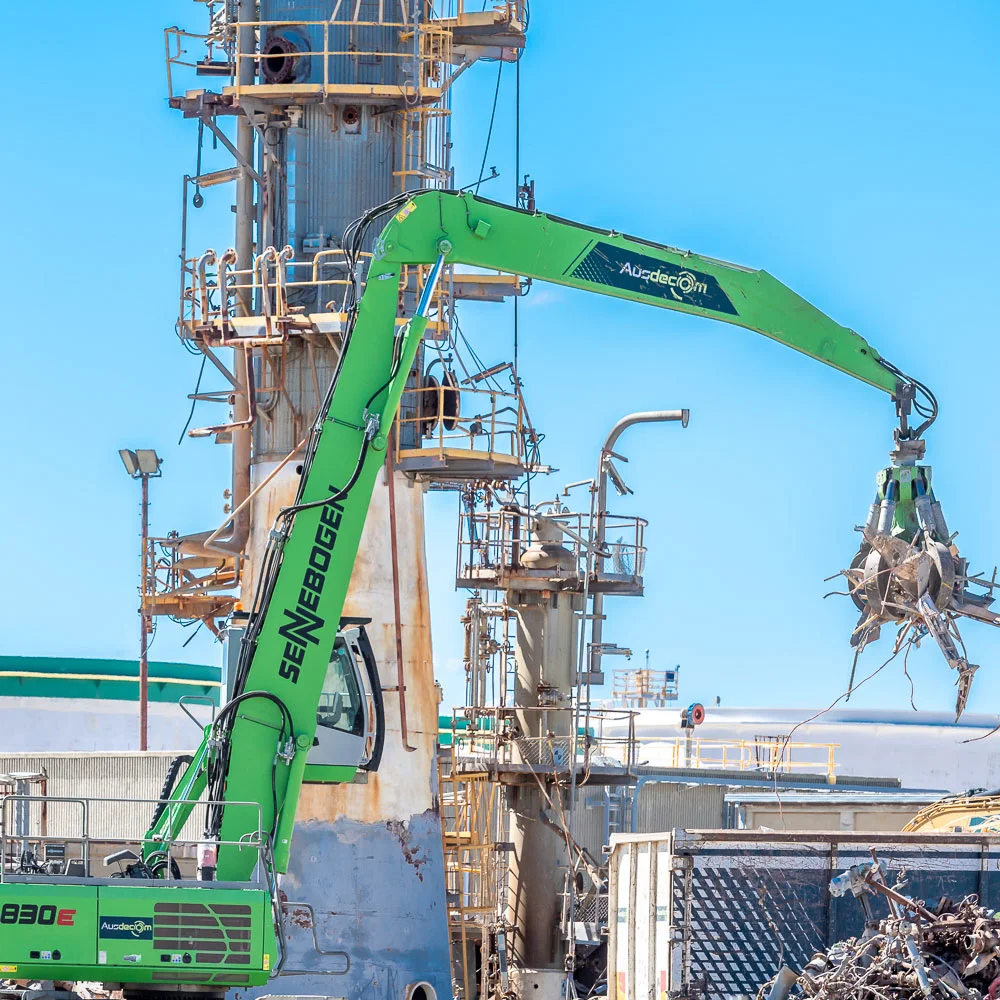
(749, 920)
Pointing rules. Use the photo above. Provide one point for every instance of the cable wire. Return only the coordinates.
(927, 409)
(194, 399)
(489, 134)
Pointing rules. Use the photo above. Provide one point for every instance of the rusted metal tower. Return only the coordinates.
(328, 108)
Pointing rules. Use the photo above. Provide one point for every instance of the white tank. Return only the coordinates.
(925, 750)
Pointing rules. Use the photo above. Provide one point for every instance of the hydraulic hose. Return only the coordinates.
(168, 785)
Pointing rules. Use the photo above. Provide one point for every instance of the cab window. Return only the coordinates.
(341, 703)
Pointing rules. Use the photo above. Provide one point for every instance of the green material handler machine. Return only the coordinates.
(306, 677)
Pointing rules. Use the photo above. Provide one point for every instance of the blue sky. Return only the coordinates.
(850, 149)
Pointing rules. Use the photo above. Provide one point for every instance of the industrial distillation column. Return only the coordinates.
(340, 105)
(375, 848)
(336, 160)
(546, 666)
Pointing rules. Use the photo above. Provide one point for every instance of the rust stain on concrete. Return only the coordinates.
(411, 851)
(406, 783)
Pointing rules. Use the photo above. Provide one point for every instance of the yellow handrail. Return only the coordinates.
(752, 755)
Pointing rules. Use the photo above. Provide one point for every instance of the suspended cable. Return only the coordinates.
(194, 397)
(489, 134)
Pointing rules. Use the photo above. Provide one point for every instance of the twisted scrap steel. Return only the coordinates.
(949, 951)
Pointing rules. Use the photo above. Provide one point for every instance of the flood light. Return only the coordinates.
(130, 461)
(149, 461)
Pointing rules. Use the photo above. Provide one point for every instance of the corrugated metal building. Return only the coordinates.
(126, 778)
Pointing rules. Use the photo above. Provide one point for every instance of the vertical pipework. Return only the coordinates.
(242, 434)
(645, 417)
(244, 143)
(546, 662)
(390, 472)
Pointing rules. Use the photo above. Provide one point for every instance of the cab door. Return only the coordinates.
(349, 717)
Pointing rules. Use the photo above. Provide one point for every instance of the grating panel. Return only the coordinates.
(218, 933)
(748, 921)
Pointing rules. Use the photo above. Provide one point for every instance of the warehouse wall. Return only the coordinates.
(39, 724)
(672, 805)
(127, 778)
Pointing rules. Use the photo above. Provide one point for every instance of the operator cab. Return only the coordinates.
(350, 727)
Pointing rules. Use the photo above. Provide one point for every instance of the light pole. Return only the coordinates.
(143, 464)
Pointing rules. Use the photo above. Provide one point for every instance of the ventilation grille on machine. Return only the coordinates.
(176, 977)
(223, 978)
(217, 933)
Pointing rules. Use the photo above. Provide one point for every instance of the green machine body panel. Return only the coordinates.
(136, 931)
(327, 774)
(45, 928)
(907, 484)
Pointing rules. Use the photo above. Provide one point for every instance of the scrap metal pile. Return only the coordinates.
(950, 951)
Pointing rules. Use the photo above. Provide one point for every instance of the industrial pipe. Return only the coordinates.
(209, 542)
(242, 431)
(642, 417)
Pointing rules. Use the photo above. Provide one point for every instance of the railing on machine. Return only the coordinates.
(82, 825)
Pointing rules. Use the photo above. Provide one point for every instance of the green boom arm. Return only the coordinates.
(469, 230)
(294, 624)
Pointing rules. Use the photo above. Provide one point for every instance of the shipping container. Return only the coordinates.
(714, 913)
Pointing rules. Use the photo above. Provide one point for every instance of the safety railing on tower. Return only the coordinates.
(411, 63)
(502, 546)
(541, 738)
(456, 424)
(215, 47)
(453, 421)
(644, 688)
(187, 585)
(260, 306)
(226, 306)
(304, 58)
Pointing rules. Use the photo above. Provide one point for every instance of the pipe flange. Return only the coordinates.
(281, 58)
